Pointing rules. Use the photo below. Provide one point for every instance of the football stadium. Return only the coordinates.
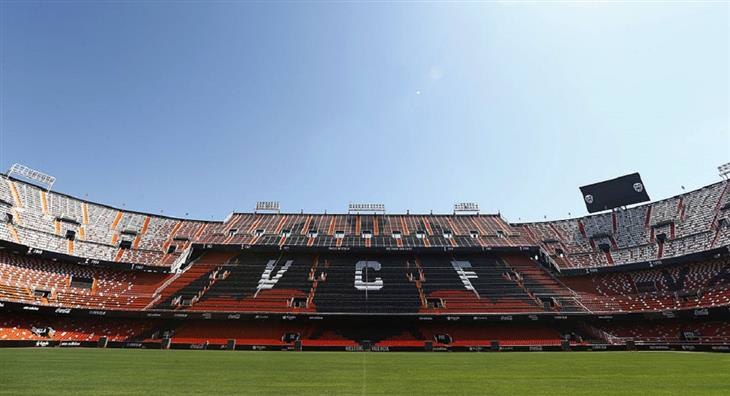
(364, 197)
(650, 277)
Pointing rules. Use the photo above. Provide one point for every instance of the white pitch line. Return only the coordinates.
(364, 373)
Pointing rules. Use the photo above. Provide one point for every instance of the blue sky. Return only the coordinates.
(205, 108)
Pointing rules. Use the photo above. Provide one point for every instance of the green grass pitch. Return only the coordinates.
(159, 372)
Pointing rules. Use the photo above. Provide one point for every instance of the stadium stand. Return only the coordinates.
(691, 222)
(27, 279)
(344, 283)
(351, 333)
(74, 270)
(698, 285)
(30, 327)
(682, 331)
(670, 228)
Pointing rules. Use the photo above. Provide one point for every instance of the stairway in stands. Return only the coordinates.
(543, 284)
(195, 277)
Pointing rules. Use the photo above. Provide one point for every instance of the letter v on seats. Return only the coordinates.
(267, 281)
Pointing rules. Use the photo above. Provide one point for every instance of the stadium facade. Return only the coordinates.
(79, 273)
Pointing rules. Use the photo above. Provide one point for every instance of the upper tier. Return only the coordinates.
(692, 222)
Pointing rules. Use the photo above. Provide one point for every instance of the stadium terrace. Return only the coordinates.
(79, 273)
